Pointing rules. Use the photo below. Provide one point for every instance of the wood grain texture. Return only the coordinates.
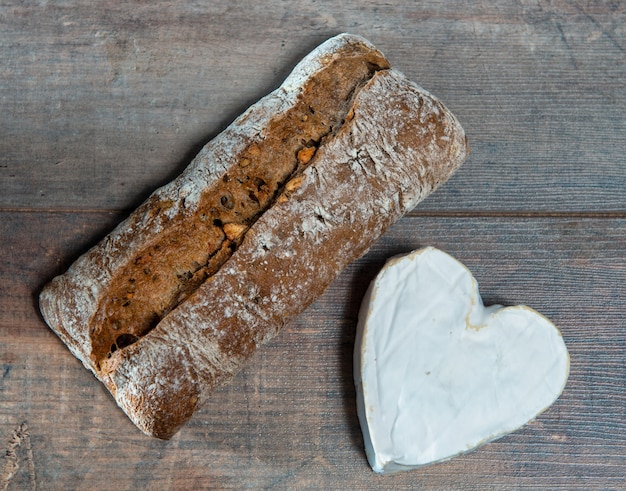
(100, 103)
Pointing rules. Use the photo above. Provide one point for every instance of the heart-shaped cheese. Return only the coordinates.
(437, 373)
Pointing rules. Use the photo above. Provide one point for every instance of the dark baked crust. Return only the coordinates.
(390, 145)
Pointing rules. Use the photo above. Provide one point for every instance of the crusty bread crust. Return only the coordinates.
(394, 145)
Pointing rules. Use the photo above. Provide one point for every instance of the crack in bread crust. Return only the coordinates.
(192, 247)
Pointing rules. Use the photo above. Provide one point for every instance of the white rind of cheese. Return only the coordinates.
(438, 374)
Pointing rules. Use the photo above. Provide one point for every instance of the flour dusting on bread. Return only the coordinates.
(214, 264)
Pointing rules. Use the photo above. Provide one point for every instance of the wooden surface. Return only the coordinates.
(101, 102)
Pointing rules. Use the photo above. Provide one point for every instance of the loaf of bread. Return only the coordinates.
(174, 300)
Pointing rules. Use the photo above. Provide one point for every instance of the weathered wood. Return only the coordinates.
(289, 419)
(101, 102)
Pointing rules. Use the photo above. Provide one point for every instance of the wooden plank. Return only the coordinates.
(288, 419)
(102, 103)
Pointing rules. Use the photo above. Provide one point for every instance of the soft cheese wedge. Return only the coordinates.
(437, 373)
